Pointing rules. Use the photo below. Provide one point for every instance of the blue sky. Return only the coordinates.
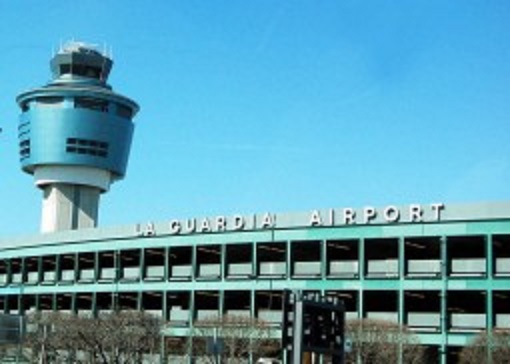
(265, 105)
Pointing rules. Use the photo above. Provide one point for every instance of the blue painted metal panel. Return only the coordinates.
(51, 126)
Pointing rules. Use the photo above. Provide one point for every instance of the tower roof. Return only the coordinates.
(79, 60)
(81, 47)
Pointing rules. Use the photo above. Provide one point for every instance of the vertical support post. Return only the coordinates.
(254, 259)
(252, 314)
(166, 265)
(164, 307)
(488, 309)
(20, 308)
(139, 300)
(189, 356)
(191, 319)
(93, 307)
(96, 267)
(73, 303)
(21, 285)
(54, 302)
(489, 294)
(253, 309)
(489, 248)
(42, 354)
(116, 278)
(401, 308)
(40, 273)
(297, 345)
(58, 268)
(38, 302)
(142, 265)
(444, 292)
(215, 344)
(223, 261)
(288, 260)
(162, 350)
(192, 309)
(166, 274)
(361, 303)
(254, 274)
(221, 303)
(8, 264)
(285, 351)
(361, 263)
(324, 262)
(194, 266)
(75, 267)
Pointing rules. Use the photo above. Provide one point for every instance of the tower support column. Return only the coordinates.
(69, 207)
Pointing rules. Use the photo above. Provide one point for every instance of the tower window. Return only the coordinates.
(124, 111)
(80, 70)
(65, 69)
(87, 146)
(49, 101)
(91, 104)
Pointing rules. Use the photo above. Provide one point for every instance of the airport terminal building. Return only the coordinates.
(443, 270)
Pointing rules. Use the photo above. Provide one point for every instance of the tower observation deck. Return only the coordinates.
(75, 136)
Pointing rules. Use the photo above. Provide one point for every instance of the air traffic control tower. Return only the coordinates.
(75, 136)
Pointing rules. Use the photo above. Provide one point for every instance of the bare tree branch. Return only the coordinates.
(240, 336)
(493, 346)
(119, 337)
(378, 341)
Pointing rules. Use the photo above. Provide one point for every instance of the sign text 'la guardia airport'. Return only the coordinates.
(369, 215)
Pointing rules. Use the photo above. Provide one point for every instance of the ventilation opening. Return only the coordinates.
(24, 149)
(87, 146)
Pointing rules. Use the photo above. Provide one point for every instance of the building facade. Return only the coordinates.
(442, 270)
